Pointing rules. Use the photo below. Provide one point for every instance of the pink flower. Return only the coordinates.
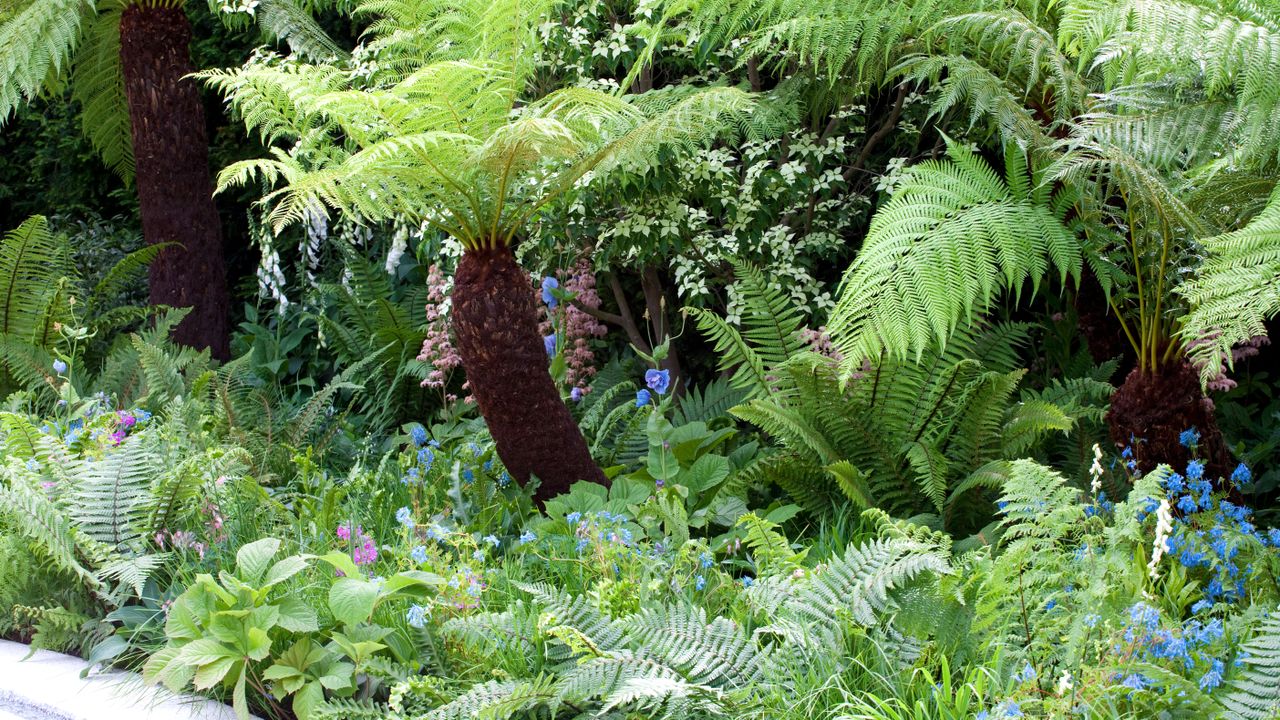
(437, 346)
(126, 418)
(343, 532)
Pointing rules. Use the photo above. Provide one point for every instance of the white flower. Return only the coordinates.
(1095, 471)
(1164, 526)
(1064, 683)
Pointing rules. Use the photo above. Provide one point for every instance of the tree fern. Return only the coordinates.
(38, 40)
(97, 84)
(953, 235)
(1236, 290)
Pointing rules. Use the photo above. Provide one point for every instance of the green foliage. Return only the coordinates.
(1235, 291)
(953, 235)
(462, 160)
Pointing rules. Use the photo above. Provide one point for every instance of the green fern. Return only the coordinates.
(1237, 289)
(953, 235)
(1254, 693)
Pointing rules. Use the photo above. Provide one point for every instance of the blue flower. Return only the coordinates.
(504, 479)
(748, 581)
(419, 554)
(1241, 475)
(658, 380)
(1027, 674)
(1009, 709)
(33, 465)
(527, 537)
(435, 532)
(576, 394)
(1213, 678)
(478, 555)
(59, 366)
(419, 435)
(1175, 483)
(492, 540)
(1186, 503)
(642, 398)
(1189, 437)
(468, 476)
(404, 516)
(1195, 469)
(549, 284)
(1274, 536)
(426, 457)
(1201, 605)
(1135, 681)
(1091, 620)
(549, 344)
(417, 616)
(704, 560)
(573, 517)
(699, 583)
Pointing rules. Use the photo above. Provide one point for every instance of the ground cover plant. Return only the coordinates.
(647, 359)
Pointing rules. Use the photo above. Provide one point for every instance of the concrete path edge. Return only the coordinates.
(48, 686)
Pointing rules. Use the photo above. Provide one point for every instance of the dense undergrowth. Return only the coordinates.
(935, 484)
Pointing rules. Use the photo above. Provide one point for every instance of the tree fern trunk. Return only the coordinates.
(496, 323)
(171, 155)
(1150, 411)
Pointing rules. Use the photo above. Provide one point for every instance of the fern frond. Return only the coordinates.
(1236, 290)
(38, 42)
(951, 237)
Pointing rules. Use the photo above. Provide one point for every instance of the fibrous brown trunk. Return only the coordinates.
(495, 320)
(1150, 411)
(171, 158)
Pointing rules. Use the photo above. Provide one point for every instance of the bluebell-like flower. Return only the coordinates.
(1186, 503)
(1027, 674)
(699, 583)
(1051, 604)
(492, 540)
(1135, 681)
(59, 366)
(1195, 469)
(748, 581)
(504, 479)
(417, 616)
(419, 435)
(1241, 475)
(527, 537)
(1274, 536)
(426, 457)
(1213, 678)
(658, 380)
(1189, 437)
(549, 284)
(404, 516)
(468, 476)
(576, 394)
(642, 398)
(418, 554)
(573, 517)
(704, 560)
(1175, 483)
(1091, 620)
(1201, 605)
(549, 344)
